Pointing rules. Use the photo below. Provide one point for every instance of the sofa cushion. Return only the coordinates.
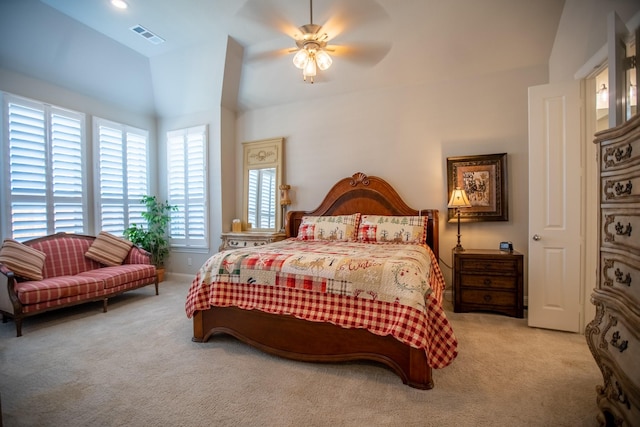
(108, 249)
(23, 260)
(65, 255)
(54, 288)
(121, 274)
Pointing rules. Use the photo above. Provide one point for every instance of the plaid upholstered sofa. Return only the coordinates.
(64, 269)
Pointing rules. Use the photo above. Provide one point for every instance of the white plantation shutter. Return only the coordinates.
(122, 153)
(253, 199)
(261, 207)
(43, 168)
(268, 199)
(186, 163)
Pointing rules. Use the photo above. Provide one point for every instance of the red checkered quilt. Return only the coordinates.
(388, 289)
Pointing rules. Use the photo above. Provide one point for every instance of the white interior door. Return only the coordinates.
(555, 214)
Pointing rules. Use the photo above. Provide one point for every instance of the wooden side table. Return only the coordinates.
(488, 280)
(246, 239)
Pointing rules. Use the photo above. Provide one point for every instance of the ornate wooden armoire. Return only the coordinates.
(614, 334)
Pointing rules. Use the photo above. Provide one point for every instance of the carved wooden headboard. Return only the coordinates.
(368, 195)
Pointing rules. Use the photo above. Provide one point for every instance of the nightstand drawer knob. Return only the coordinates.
(487, 282)
(487, 298)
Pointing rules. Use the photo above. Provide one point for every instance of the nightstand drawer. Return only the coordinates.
(249, 239)
(487, 265)
(487, 281)
(488, 298)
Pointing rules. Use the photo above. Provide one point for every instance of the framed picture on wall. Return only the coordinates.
(484, 178)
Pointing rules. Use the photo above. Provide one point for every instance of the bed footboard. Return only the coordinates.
(296, 339)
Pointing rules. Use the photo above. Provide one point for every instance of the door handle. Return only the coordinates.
(536, 237)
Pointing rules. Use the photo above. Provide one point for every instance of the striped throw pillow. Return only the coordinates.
(108, 249)
(23, 260)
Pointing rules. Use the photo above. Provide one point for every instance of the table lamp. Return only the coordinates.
(459, 200)
(285, 201)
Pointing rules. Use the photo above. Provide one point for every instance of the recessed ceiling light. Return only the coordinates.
(120, 4)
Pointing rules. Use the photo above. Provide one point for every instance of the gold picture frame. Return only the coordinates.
(484, 178)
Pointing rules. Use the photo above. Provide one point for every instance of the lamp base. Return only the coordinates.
(282, 218)
(458, 247)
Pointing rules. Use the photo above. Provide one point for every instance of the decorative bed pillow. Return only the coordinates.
(108, 249)
(23, 260)
(340, 228)
(397, 229)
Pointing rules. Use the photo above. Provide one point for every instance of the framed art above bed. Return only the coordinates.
(484, 178)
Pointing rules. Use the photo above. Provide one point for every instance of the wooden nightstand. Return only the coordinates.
(488, 280)
(246, 239)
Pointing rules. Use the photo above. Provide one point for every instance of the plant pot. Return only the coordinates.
(160, 274)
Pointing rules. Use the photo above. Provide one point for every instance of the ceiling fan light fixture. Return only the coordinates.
(300, 58)
(310, 68)
(311, 54)
(120, 4)
(323, 59)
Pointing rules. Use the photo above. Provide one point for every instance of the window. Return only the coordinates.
(42, 169)
(187, 177)
(122, 153)
(262, 198)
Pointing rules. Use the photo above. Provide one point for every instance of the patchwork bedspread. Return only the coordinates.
(386, 288)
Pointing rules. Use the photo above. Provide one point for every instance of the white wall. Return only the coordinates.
(40, 42)
(582, 32)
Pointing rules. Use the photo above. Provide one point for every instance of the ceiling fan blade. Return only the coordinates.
(365, 54)
(267, 55)
(269, 17)
(346, 17)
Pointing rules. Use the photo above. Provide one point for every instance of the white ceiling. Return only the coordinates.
(378, 43)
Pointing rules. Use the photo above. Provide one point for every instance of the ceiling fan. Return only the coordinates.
(312, 49)
(362, 26)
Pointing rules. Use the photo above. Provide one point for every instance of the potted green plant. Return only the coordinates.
(153, 238)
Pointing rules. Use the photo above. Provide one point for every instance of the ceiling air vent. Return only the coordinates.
(152, 38)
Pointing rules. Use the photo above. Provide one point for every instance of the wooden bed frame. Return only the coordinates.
(292, 338)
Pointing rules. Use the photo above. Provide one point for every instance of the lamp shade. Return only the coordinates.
(459, 199)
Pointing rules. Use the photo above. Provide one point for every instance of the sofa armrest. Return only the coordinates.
(137, 255)
(9, 302)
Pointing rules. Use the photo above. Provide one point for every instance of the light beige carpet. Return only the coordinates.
(136, 366)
